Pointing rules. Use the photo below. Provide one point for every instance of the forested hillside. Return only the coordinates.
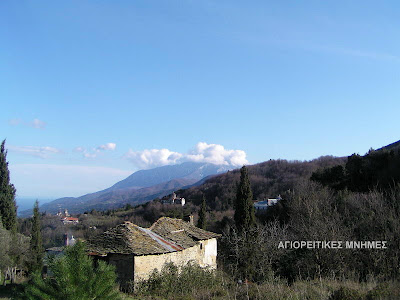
(379, 169)
(268, 180)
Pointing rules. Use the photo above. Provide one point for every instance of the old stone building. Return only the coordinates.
(137, 251)
(173, 199)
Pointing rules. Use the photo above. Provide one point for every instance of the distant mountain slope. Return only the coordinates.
(392, 146)
(141, 186)
(116, 198)
(188, 170)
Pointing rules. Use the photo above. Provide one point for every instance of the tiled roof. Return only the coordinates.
(165, 235)
(128, 238)
(182, 233)
(70, 219)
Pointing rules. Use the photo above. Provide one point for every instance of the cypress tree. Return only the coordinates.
(244, 210)
(8, 207)
(36, 240)
(202, 223)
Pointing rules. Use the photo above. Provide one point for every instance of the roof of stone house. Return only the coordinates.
(128, 238)
(164, 236)
(180, 232)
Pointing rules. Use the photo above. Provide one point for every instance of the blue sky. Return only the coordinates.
(92, 90)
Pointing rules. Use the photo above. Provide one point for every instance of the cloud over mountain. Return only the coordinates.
(202, 152)
(149, 158)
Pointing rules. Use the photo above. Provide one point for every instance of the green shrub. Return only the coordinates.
(345, 293)
(188, 282)
(74, 278)
(383, 291)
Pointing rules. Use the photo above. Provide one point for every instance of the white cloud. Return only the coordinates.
(15, 122)
(108, 146)
(42, 152)
(150, 158)
(35, 123)
(38, 124)
(202, 152)
(49, 180)
(217, 154)
(79, 149)
(95, 151)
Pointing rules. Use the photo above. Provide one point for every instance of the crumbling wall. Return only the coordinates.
(208, 253)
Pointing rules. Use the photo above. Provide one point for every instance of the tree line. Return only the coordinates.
(378, 169)
(17, 251)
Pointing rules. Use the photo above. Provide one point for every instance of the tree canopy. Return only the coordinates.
(8, 208)
(202, 223)
(244, 208)
(36, 240)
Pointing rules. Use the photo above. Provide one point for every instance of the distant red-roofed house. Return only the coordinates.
(70, 220)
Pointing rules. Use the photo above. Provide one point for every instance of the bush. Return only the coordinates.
(345, 293)
(384, 291)
(188, 282)
(74, 277)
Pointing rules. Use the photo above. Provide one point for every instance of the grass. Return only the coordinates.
(195, 284)
(9, 291)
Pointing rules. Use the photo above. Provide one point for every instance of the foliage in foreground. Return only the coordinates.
(196, 283)
(13, 250)
(74, 277)
(183, 283)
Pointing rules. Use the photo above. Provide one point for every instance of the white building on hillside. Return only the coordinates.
(264, 204)
(174, 200)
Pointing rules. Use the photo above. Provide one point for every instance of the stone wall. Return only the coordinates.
(204, 254)
(208, 253)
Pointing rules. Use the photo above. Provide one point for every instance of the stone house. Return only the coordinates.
(173, 199)
(137, 251)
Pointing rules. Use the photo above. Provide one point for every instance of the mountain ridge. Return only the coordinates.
(139, 187)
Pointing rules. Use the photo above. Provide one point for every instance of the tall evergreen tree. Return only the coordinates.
(244, 208)
(8, 207)
(202, 223)
(36, 240)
